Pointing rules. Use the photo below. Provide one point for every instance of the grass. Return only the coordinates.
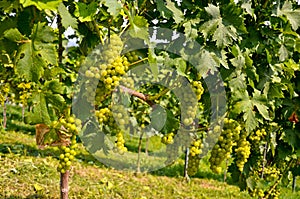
(27, 172)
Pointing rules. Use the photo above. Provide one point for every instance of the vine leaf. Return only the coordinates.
(114, 7)
(13, 34)
(85, 12)
(283, 53)
(222, 34)
(158, 117)
(39, 114)
(292, 15)
(66, 19)
(247, 106)
(34, 55)
(139, 28)
(164, 11)
(29, 62)
(42, 5)
(177, 14)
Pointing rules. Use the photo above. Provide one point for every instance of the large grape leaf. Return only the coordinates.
(30, 64)
(66, 18)
(34, 55)
(292, 15)
(247, 106)
(42, 4)
(39, 114)
(221, 33)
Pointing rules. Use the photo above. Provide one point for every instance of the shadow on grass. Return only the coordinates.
(33, 196)
(22, 149)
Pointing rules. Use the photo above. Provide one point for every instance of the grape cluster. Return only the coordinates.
(223, 148)
(104, 116)
(132, 56)
(270, 173)
(194, 158)
(257, 136)
(198, 89)
(242, 151)
(71, 126)
(109, 70)
(168, 138)
(119, 143)
(67, 156)
(257, 193)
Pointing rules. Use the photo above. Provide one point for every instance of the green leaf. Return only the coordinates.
(57, 101)
(213, 10)
(292, 15)
(283, 53)
(114, 7)
(249, 10)
(164, 11)
(177, 13)
(30, 64)
(209, 27)
(139, 28)
(39, 114)
(190, 31)
(171, 122)
(42, 4)
(54, 86)
(85, 12)
(207, 62)
(48, 52)
(224, 35)
(13, 34)
(66, 19)
(158, 117)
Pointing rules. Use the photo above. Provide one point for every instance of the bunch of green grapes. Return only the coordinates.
(194, 158)
(108, 70)
(242, 151)
(132, 56)
(119, 143)
(104, 116)
(274, 193)
(198, 89)
(168, 138)
(67, 155)
(270, 173)
(71, 126)
(257, 193)
(257, 138)
(223, 148)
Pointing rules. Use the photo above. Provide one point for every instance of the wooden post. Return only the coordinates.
(64, 185)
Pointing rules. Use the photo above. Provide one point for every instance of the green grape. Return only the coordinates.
(194, 158)
(198, 89)
(168, 138)
(72, 125)
(227, 140)
(119, 143)
(242, 151)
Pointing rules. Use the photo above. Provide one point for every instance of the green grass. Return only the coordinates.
(27, 172)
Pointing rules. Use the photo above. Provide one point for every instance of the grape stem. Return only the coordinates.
(141, 96)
